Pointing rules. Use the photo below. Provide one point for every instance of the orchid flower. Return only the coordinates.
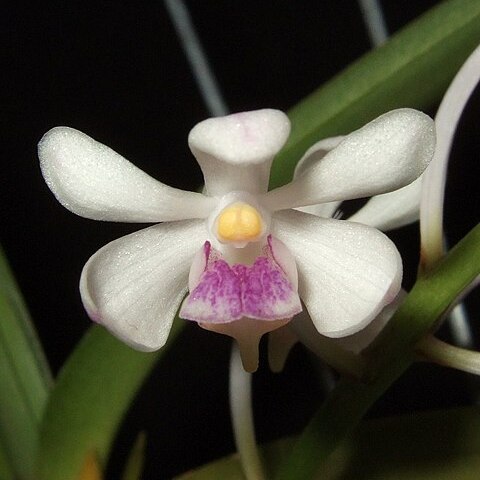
(245, 254)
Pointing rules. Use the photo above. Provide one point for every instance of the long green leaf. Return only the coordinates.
(6, 472)
(25, 379)
(9, 287)
(93, 391)
(391, 355)
(438, 445)
(413, 69)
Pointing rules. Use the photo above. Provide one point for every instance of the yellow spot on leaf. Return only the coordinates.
(91, 468)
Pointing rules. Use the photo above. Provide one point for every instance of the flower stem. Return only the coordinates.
(195, 53)
(374, 21)
(442, 353)
(242, 417)
(433, 183)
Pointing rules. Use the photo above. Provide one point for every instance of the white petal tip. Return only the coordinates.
(414, 131)
(55, 135)
(51, 146)
(241, 138)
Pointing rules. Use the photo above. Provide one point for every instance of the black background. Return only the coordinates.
(116, 71)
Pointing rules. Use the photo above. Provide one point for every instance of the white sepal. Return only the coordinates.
(359, 341)
(134, 285)
(235, 152)
(347, 271)
(315, 153)
(384, 155)
(392, 210)
(93, 181)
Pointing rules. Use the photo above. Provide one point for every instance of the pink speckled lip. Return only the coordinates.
(227, 293)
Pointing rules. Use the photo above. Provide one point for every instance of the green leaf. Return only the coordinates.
(442, 444)
(9, 287)
(24, 378)
(438, 445)
(390, 355)
(136, 459)
(6, 472)
(412, 69)
(93, 391)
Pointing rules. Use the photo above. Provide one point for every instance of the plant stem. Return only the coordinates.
(242, 417)
(434, 350)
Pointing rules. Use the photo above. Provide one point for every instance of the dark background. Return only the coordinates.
(116, 71)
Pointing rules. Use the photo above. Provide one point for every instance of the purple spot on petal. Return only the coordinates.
(217, 294)
(207, 246)
(226, 293)
(267, 293)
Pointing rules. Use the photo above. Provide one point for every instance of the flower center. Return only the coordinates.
(239, 222)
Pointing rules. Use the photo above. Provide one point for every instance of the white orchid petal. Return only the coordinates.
(359, 341)
(305, 331)
(285, 259)
(325, 210)
(198, 265)
(392, 210)
(93, 181)
(235, 152)
(347, 271)
(315, 153)
(384, 155)
(446, 121)
(134, 285)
